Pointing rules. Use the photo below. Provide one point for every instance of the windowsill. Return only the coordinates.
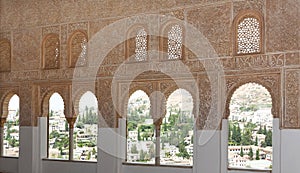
(152, 165)
(74, 161)
(252, 170)
(9, 157)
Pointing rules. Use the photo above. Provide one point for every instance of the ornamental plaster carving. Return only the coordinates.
(51, 52)
(5, 55)
(26, 98)
(50, 30)
(77, 49)
(292, 101)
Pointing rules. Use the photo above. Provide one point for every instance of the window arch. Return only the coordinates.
(177, 130)
(58, 129)
(5, 55)
(11, 128)
(78, 49)
(140, 143)
(141, 45)
(250, 128)
(86, 128)
(175, 40)
(51, 52)
(137, 44)
(248, 33)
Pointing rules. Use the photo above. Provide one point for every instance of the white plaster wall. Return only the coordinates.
(290, 151)
(108, 156)
(207, 151)
(9, 165)
(50, 166)
(29, 149)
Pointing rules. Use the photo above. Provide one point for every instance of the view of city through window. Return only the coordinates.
(85, 129)
(176, 138)
(250, 128)
(58, 129)
(11, 129)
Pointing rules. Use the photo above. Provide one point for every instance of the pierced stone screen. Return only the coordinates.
(175, 42)
(248, 36)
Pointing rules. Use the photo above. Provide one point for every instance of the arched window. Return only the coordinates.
(175, 42)
(5, 55)
(141, 45)
(248, 34)
(51, 52)
(177, 130)
(140, 129)
(250, 128)
(86, 128)
(11, 128)
(78, 49)
(58, 129)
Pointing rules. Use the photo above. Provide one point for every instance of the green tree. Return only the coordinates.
(268, 138)
(238, 138)
(250, 153)
(182, 151)
(242, 152)
(246, 138)
(260, 130)
(94, 151)
(256, 141)
(265, 130)
(257, 155)
(142, 155)
(139, 135)
(51, 113)
(134, 149)
(66, 126)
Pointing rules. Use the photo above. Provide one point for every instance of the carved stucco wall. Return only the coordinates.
(25, 25)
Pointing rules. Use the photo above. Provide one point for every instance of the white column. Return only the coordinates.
(108, 156)
(29, 150)
(207, 151)
(224, 146)
(276, 146)
(2, 121)
(43, 138)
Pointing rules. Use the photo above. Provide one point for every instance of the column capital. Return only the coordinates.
(2, 121)
(71, 121)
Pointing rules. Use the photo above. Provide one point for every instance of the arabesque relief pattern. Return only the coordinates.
(22, 57)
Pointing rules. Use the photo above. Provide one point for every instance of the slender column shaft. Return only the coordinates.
(71, 121)
(157, 145)
(1, 140)
(71, 142)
